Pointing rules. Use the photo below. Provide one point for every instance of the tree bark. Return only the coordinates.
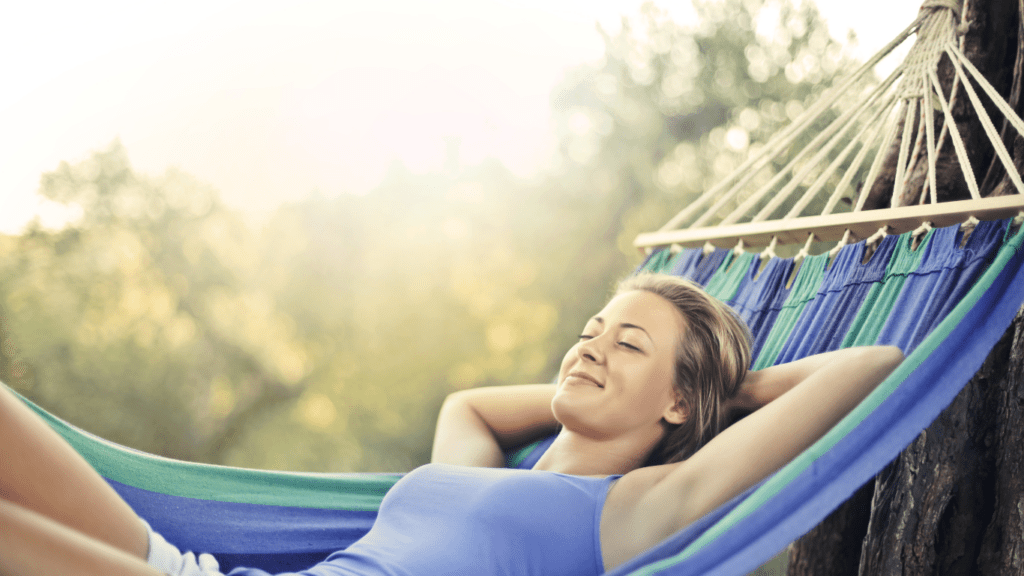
(933, 504)
(953, 502)
(833, 547)
(1002, 548)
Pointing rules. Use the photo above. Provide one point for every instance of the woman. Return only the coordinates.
(652, 380)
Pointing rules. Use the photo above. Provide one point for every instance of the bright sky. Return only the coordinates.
(268, 101)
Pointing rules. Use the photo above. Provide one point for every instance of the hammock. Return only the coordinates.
(944, 302)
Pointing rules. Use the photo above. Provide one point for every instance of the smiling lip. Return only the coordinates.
(585, 376)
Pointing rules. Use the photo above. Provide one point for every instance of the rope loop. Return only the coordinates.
(878, 236)
(769, 252)
(842, 242)
(738, 250)
(805, 251)
(921, 230)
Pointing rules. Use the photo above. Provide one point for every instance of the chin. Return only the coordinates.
(577, 413)
(566, 405)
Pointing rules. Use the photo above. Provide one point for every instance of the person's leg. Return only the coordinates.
(33, 545)
(43, 473)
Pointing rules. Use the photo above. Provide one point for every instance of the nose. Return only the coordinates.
(591, 350)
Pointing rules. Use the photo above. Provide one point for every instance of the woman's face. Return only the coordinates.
(618, 379)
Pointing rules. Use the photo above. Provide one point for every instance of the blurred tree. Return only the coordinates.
(420, 288)
(671, 110)
(136, 321)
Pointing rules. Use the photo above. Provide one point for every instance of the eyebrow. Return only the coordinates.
(600, 320)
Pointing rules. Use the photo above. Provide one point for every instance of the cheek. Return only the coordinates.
(659, 387)
(566, 363)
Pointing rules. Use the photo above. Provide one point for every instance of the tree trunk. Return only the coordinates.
(934, 506)
(953, 502)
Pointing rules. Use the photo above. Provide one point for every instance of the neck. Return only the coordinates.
(580, 455)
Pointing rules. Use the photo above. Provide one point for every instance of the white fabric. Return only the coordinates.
(166, 558)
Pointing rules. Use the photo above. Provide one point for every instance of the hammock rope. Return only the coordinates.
(899, 111)
(784, 138)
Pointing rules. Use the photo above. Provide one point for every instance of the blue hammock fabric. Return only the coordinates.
(277, 521)
(952, 306)
(826, 319)
(761, 297)
(277, 538)
(695, 266)
(945, 274)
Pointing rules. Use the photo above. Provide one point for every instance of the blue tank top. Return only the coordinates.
(457, 520)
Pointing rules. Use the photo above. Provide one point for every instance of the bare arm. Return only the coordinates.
(475, 425)
(763, 386)
(802, 401)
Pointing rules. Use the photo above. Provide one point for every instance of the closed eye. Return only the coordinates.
(585, 337)
(630, 346)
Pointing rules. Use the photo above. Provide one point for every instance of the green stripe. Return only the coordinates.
(516, 458)
(787, 474)
(874, 312)
(355, 492)
(727, 279)
(657, 262)
(805, 288)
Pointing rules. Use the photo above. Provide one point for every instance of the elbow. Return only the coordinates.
(882, 360)
(454, 407)
(454, 397)
(891, 356)
(459, 398)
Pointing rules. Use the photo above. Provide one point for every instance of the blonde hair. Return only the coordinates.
(711, 362)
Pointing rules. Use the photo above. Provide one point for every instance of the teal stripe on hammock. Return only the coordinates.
(878, 304)
(674, 261)
(780, 479)
(658, 261)
(356, 492)
(514, 459)
(726, 280)
(805, 288)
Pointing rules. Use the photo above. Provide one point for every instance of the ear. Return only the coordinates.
(676, 414)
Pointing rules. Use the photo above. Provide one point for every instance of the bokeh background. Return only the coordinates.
(272, 237)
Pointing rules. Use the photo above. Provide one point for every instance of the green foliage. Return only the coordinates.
(327, 339)
(672, 110)
(139, 319)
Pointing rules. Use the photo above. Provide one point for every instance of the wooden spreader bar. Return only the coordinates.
(831, 227)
